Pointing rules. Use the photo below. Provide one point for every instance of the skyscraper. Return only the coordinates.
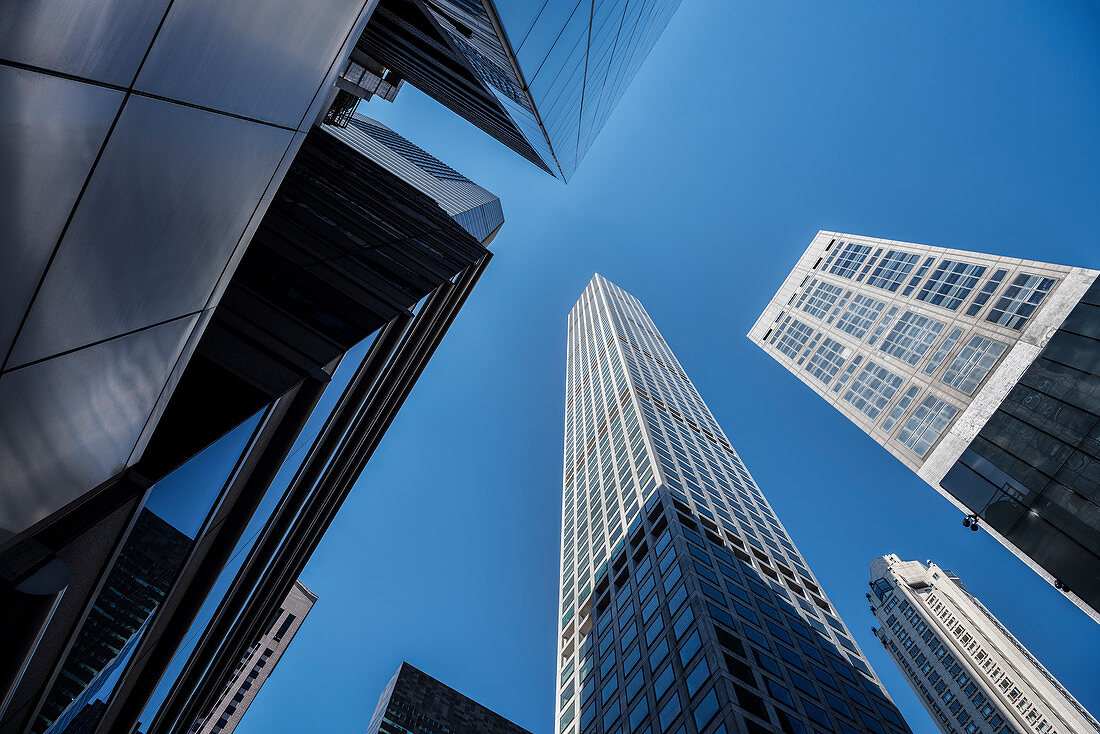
(258, 664)
(541, 77)
(980, 373)
(972, 675)
(684, 604)
(413, 701)
(196, 253)
(475, 209)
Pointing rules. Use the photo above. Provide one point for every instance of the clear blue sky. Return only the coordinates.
(752, 125)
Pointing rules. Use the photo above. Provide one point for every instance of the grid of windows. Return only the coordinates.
(862, 312)
(821, 300)
(892, 270)
(792, 338)
(972, 673)
(942, 351)
(849, 260)
(916, 279)
(702, 576)
(872, 390)
(911, 337)
(927, 423)
(986, 291)
(898, 410)
(951, 283)
(974, 362)
(1020, 300)
(827, 360)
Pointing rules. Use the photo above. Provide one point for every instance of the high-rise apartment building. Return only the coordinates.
(684, 604)
(258, 664)
(413, 701)
(541, 77)
(980, 373)
(972, 675)
(201, 241)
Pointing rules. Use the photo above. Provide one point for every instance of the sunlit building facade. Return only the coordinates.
(684, 605)
(541, 77)
(257, 664)
(980, 373)
(972, 675)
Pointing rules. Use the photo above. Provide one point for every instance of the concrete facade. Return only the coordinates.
(970, 673)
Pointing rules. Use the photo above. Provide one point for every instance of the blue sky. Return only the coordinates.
(751, 126)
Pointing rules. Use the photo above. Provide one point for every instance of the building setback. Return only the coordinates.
(413, 701)
(970, 673)
(980, 373)
(684, 605)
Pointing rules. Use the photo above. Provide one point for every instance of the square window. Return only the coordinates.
(911, 337)
(1020, 300)
(927, 423)
(950, 284)
(892, 270)
(872, 390)
(973, 363)
(849, 259)
(828, 360)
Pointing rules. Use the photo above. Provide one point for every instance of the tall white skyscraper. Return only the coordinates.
(684, 605)
(970, 673)
(980, 373)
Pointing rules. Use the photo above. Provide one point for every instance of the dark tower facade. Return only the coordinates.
(685, 605)
(413, 701)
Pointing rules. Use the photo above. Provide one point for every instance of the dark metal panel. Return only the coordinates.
(164, 210)
(103, 40)
(53, 128)
(263, 59)
(69, 423)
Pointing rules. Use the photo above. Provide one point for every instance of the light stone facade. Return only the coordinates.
(931, 392)
(970, 673)
(258, 663)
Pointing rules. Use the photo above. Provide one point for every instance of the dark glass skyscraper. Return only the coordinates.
(541, 77)
(476, 210)
(685, 606)
(413, 701)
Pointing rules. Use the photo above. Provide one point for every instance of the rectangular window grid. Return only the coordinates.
(986, 291)
(821, 300)
(916, 279)
(849, 260)
(872, 390)
(926, 425)
(899, 410)
(944, 349)
(862, 312)
(891, 271)
(911, 337)
(1020, 300)
(951, 284)
(792, 338)
(827, 360)
(973, 363)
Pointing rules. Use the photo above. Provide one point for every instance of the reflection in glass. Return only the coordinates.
(141, 576)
